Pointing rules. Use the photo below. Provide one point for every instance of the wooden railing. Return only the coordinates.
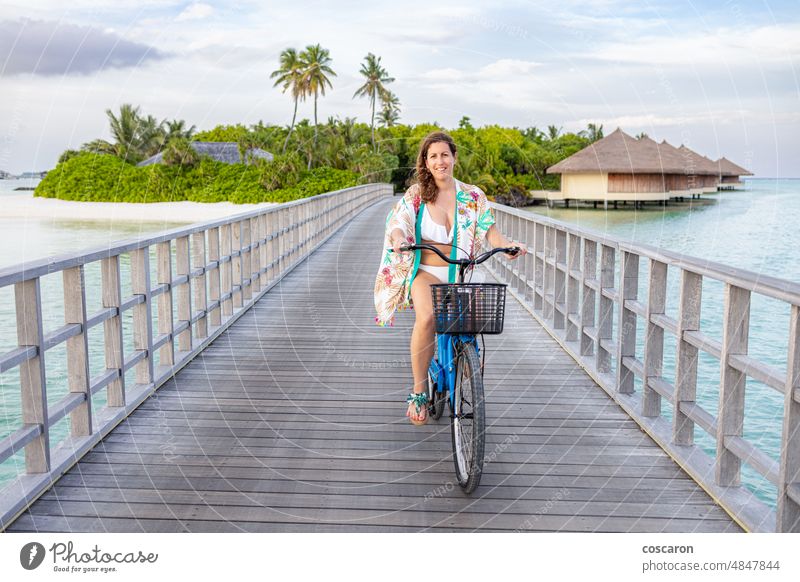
(212, 272)
(585, 289)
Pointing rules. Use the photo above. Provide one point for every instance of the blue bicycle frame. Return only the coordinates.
(445, 377)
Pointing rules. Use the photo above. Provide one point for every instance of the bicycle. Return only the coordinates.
(461, 311)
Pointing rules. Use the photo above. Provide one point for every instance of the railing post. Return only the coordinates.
(788, 517)
(280, 227)
(654, 337)
(263, 259)
(214, 316)
(548, 283)
(184, 292)
(605, 321)
(626, 331)
(78, 350)
(112, 330)
(539, 255)
(730, 420)
(519, 264)
(295, 238)
(142, 314)
(33, 382)
(238, 277)
(686, 359)
(528, 272)
(559, 279)
(255, 256)
(272, 244)
(166, 353)
(226, 269)
(589, 301)
(573, 285)
(247, 261)
(199, 286)
(305, 215)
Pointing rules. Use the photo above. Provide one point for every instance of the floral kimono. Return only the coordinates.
(396, 273)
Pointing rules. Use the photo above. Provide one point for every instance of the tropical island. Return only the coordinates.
(167, 161)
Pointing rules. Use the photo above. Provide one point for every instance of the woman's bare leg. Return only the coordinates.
(422, 336)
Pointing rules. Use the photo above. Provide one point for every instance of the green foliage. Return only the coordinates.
(222, 133)
(282, 172)
(107, 178)
(497, 159)
(67, 154)
(179, 152)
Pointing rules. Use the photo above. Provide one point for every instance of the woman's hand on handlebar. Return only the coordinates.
(521, 251)
(398, 243)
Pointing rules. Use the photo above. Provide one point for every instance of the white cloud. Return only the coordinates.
(196, 11)
(779, 43)
(510, 70)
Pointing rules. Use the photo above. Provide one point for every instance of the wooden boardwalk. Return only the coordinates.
(293, 420)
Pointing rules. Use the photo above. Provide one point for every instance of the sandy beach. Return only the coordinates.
(25, 205)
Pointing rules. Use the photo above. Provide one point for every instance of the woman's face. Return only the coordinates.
(440, 160)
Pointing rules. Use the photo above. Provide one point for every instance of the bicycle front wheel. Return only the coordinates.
(467, 423)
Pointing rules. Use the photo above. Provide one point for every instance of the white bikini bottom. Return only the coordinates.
(440, 272)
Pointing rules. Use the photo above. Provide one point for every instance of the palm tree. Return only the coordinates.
(553, 132)
(594, 132)
(150, 136)
(316, 64)
(390, 110)
(177, 129)
(135, 137)
(374, 86)
(125, 129)
(290, 75)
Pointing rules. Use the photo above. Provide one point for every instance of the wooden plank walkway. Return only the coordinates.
(293, 420)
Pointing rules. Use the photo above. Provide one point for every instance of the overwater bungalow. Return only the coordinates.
(729, 174)
(702, 173)
(622, 168)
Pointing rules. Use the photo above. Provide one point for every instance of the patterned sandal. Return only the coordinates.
(420, 402)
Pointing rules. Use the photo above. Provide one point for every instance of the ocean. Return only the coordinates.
(754, 229)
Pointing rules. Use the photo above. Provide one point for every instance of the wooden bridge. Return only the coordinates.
(261, 397)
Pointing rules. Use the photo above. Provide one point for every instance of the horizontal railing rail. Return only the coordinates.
(586, 289)
(209, 273)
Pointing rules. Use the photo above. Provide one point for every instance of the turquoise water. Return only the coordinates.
(25, 239)
(753, 229)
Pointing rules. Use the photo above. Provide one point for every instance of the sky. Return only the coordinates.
(720, 77)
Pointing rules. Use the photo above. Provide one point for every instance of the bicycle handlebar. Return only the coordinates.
(476, 261)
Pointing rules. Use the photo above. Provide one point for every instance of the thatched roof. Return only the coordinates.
(728, 168)
(221, 151)
(696, 164)
(620, 153)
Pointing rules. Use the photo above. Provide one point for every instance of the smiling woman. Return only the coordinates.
(444, 212)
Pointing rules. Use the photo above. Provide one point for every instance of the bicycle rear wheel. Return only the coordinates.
(467, 423)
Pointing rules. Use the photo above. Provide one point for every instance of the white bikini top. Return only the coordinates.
(434, 231)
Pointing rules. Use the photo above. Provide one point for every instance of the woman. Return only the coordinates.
(441, 211)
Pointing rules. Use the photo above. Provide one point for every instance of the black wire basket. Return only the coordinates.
(469, 307)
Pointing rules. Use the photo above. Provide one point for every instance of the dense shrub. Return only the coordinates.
(106, 178)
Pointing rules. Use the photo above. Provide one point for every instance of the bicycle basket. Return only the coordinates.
(469, 307)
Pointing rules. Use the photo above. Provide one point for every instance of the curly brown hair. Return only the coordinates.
(424, 178)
